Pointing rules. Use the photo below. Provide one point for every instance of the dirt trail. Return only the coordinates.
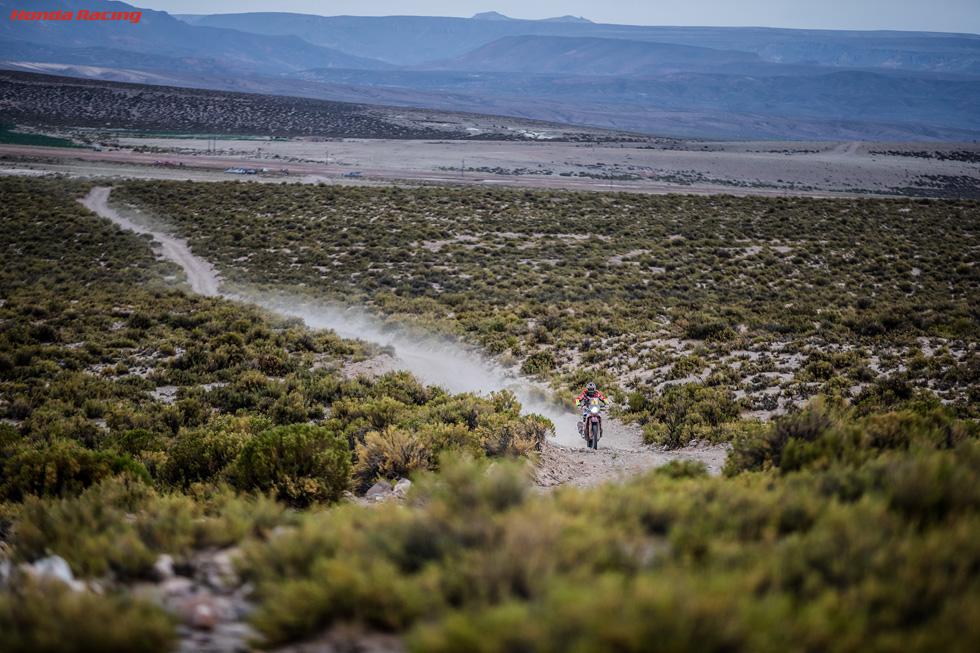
(564, 459)
(200, 273)
(847, 149)
(621, 455)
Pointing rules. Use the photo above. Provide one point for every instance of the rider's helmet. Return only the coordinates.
(590, 386)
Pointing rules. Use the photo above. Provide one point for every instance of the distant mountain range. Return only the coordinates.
(493, 15)
(672, 81)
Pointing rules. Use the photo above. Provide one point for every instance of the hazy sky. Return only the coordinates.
(926, 15)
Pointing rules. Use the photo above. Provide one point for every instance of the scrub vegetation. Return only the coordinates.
(139, 419)
(767, 302)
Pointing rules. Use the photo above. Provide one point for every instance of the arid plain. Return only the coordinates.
(947, 170)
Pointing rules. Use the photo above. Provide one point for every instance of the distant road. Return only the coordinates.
(139, 165)
(766, 169)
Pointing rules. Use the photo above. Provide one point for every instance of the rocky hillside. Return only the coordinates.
(32, 99)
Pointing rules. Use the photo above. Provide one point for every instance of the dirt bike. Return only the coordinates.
(590, 427)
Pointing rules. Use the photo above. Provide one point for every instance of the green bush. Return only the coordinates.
(635, 615)
(63, 468)
(203, 454)
(537, 363)
(507, 435)
(120, 526)
(376, 568)
(9, 437)
(682, 469)
(824, 434)
(50, 617)
(701, 326)
(390, 454)
(300, 464)
(405, 388)
(689, 412)
(637, 402)
(136, 441)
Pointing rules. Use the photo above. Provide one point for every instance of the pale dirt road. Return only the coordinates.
(621, 455)
(200, 274)
(564, 458)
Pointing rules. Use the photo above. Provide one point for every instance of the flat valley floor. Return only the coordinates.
(824, 169)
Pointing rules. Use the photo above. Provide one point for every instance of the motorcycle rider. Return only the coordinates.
(585, 399)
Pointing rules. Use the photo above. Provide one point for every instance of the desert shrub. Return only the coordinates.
(390, 454)
(402, 386)
(465, 409)
(128, 418)
(191, 411)
(895, 392)
(376, 568)
(136, 441)
(20, 408)
(637, 402)
(689, 412)
(300, 464)
(63, 468)
(293, 407)
(764, 448)
(611, 615)
(456, 438)
(537, 363)
(891, 591)
(701, 326)
(930, 488)
(273, 364)
(507, 435)
(383, 412)
(120, 526)
(49, 616)
(364, 591)
(9, 437)
(231, 518)
(934, 429)
(682, 469)
(93, 531)
(686, 366)
(824, 434)
(392, 439)
(203, 454)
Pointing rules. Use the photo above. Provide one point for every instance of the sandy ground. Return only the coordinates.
(765, 168)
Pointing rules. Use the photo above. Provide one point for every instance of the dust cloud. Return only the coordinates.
(432, 360)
